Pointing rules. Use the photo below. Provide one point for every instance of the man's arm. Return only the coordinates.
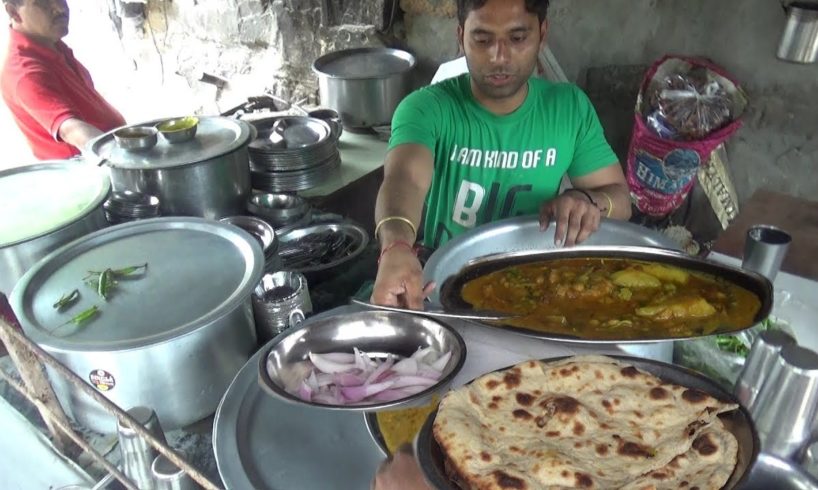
(608, 182)
(77, 132)
(407, 176)
(576, 216)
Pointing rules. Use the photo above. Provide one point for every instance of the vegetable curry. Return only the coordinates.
(610, 298)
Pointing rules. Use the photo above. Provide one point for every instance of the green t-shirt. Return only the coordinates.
(488, 167)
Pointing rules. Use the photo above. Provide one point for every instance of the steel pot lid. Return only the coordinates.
(215, 136)
(364, 63)
(39, 199)
(198, 271)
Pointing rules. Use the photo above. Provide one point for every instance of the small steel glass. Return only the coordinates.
(764, 250)
(280, 301)
(787, 403)
(137, 454)
(168, 476)
(760, 360)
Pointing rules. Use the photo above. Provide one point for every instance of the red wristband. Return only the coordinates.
(397, 243)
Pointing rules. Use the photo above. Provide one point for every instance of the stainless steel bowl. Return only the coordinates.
(279, 209)
(178, 130)
(259, 228)
(285, 362)
(331, 117)
(136, 138)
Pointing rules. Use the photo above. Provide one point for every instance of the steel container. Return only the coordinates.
(799, 41)
(364, 85)
(208, 176)
(37, 196)
(171, 337)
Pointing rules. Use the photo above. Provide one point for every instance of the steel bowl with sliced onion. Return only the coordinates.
(365, 361)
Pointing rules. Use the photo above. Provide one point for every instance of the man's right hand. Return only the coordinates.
(400, 280)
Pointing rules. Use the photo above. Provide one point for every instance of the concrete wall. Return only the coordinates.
(775, 149)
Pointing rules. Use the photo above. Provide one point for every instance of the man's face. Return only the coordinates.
(501, 41)
(46, 19)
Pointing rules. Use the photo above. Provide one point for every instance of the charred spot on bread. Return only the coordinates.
(524, 399)
(512, 379)
(504, 480)
(522, 414)
(693, 395)
(704, 445)
(583, 480)
(635, 450)
(629, 372)
(659, 393)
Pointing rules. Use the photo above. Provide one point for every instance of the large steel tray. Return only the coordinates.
(450, 292)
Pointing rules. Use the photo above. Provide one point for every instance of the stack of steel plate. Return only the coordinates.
(292, 153)
(125, 206)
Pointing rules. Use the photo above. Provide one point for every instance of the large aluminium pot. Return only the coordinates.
(364, 85)
(208, 176)
(171, 337)
(45, 206)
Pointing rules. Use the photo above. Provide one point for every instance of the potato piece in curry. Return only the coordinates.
(602, 298)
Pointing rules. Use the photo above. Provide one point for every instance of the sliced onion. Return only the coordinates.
(328, 366)
(381, 369)
(340, 357)
(339, 378)
(440, 363)
(407, 366)
(403, 381)
(305, 392)
(358, 393)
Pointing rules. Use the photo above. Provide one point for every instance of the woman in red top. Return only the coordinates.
(50, 94)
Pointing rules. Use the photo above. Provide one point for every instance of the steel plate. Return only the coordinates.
(215, 136)
(198, 270)
(738, 422)
(450, 292)
(267, 444)
(523, 234)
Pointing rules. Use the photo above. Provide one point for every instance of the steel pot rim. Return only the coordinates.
(336, 55)
(92, 206)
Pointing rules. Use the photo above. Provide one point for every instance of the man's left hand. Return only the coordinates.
(575, 215)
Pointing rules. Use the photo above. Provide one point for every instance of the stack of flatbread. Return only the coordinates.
(583, 422)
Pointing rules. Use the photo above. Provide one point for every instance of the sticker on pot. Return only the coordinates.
(103, 380)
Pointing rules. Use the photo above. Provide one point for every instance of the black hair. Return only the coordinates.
(539, 7)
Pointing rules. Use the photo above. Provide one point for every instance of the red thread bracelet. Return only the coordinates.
(397, 243)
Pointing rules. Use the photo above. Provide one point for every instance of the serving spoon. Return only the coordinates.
(462, 315)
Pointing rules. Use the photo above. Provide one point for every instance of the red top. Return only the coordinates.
(43, 87)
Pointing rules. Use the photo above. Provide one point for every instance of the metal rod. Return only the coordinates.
(33, 376)
(111, 407)
(67, 430)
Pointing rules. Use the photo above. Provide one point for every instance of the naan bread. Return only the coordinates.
(584, 422)
(702, 466)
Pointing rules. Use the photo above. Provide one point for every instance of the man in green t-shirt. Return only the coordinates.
(491, 144)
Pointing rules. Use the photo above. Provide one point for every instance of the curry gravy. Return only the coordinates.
(606, 298)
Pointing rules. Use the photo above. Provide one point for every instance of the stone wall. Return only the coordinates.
(252, 45)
